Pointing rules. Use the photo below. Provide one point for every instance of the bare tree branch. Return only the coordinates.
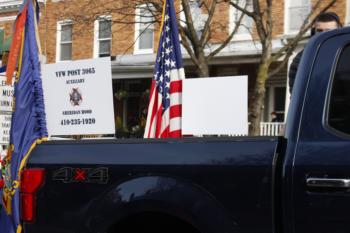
(192, 35)
(264, 26)
(259, 22)
(242, 9)
(229, 38)
(269, 23)
(293, 43)
(206, 28)
(187, 46)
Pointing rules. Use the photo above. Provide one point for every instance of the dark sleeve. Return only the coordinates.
(293, 70)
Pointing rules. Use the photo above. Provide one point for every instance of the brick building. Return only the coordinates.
(133, 53)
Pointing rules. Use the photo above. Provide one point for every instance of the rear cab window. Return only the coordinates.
(338, 115)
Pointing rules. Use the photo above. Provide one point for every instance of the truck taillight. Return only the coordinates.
(31, 180)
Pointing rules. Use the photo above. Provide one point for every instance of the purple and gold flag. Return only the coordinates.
(28, 127)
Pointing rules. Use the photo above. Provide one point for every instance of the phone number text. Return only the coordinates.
(79, 121)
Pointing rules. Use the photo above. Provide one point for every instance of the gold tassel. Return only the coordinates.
(19, 228)
(7, 202)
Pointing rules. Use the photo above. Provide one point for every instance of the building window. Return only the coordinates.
(64, 41)
(144, 29)
(296, 13)
(198, 17)
(103, 36)
(246, 25)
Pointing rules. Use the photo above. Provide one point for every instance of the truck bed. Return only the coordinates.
(184, 177)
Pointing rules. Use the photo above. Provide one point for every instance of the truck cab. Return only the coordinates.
(316, 168)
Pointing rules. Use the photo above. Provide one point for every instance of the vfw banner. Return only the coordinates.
(79, 97)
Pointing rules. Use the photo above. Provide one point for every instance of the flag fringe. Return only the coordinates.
(9, 192)
(19, 228)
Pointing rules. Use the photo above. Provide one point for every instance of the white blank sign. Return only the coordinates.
(216, 106)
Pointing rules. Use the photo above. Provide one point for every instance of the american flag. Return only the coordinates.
(165, 104)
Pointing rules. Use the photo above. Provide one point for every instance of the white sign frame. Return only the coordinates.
(79, 97)
(215, 106)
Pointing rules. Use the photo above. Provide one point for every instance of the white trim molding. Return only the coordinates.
(8, 18)
(347, 17)
(12, 5)
(286, 17)
(8, 4)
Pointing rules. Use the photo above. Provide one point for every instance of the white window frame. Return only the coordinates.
(8, 18)
(137, 50)
(58, 38)
(96, 35)
(287, 30)
(238, 36)
(347, 19)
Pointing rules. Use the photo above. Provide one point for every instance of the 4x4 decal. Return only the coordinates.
(85, 175)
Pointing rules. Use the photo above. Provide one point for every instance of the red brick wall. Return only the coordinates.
(278, 17)
(339, 7)
(220, 26)
(7, 25)
(123, 34)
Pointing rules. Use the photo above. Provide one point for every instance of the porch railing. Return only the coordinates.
(268, 129)
(271, 128)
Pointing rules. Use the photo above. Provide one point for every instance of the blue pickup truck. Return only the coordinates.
(299, 182)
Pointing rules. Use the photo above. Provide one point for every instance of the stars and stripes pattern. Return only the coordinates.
(165, 104)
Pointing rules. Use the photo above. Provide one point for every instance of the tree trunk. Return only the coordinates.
(203, 70)
(203, 67)
(258, 100)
